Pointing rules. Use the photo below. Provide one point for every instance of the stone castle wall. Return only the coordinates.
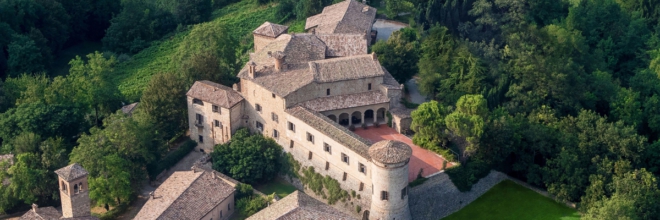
(229, 123)
(315, 90)
(392, 179)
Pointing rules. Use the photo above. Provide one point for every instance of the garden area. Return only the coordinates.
(278, 186)
(508, 200)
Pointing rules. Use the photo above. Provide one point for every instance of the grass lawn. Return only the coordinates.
(508, 200)
(277, 186)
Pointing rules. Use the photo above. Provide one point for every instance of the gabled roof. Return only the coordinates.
(298, 48)
(298, 205)
(346, 101)
(343, 45)
(71, 172)
(345, 68)
(45, 213)
(347, 17)
(128, 109)
(333, 130)
(214, 93)
(186, 195)
(270, 30)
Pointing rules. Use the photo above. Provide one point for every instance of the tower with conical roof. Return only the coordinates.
(389, 175)
(74, 191)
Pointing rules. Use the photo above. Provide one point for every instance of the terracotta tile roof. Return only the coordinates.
(45, 213)
(186, 195)
(270, 30)
(298, 48)
(343, 45)
(298, 205)
(390, 152)
(128, 109)
(345, 68)
(346, 101)
(389, 81)
(71, 172)
(215, 93)
(401, 112)
(347, 17)
(333, 130)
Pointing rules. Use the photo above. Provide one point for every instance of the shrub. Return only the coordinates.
(389, 119)
(358, 208)
(364, 125)
(250, 205)
(316, 182)
(171, 159)
(243, 190)
(468, 174)
(353, 193)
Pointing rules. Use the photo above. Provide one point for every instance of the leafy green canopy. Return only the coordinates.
(248, 158)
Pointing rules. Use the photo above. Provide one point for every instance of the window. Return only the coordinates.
(274, 117)
(326, 148)
(276, 134)
(361, 186)
(344, 158)
(291, 144)
(369, 85)
(258, 107)
(215, 108)
(344, 178)
(199, 119)
(201, 139)
(273, 94)
(362, 168)
(327, 92)
(310, 156)
(384, 195)
(220, 213)
(404, 192)
(217, 123)
(292, 127)
(310, 137)
(260, 126)
(198, 102)
(229, 206)
(327, 165)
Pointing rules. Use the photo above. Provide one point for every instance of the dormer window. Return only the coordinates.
(215, 108)
(198, 102)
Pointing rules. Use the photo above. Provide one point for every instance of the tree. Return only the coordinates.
(205, 42)
(428, 122)
(468, 121)
(30, 182)
(163, 104)
(205, 66)
(94, 88)
(43, 120)
(248, 158)
(635, 197)
(24, 56)
(26, 142)
(399, 54)
(53, 153)
(395, 7)
(138, 23)
(192, 11)
(113, 184)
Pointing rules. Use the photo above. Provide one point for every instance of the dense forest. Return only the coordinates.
(561, 94)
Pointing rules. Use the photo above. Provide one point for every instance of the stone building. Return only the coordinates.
(195, 194)
(307, 91)
(298, 205)
(74, 194)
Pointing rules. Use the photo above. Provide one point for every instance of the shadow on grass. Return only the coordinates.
(508, 200)
(278, 186)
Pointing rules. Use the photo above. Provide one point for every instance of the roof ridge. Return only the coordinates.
(179, 196)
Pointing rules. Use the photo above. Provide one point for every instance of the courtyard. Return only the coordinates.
(430, 162)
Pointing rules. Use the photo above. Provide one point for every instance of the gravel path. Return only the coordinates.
(438, 197)
(385, 28)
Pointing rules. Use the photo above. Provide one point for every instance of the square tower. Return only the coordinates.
(74, 191)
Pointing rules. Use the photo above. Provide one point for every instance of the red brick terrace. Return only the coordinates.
(421, 158)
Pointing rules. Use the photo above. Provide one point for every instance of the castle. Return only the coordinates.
(305, 91)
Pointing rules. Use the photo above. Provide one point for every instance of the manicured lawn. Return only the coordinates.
(508, 200)
(277, 186)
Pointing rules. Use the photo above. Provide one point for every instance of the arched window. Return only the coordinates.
(64, 187)
(75, 188)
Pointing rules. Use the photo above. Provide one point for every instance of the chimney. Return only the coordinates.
(213, 174)
(280, 65)
(373, 56)
(152, 195)
(235, 87)
(35, 207)
(252, 69)
(193, 169)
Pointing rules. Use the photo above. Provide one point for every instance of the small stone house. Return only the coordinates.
(195, 195)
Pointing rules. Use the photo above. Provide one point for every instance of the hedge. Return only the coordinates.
(171, 159)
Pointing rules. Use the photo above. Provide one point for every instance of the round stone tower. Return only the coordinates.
(389, 175)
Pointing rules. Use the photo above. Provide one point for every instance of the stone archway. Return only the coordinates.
(369, 117)
(380, 115)
(333, 118)
(356, 118)
(344, 119)
(365, 215)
